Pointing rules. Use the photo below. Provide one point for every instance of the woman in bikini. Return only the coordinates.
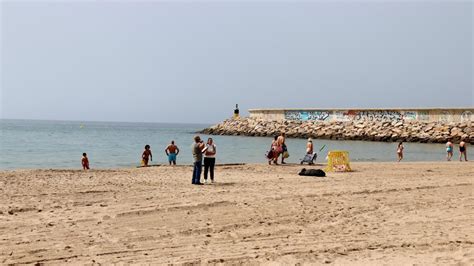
(400, 151)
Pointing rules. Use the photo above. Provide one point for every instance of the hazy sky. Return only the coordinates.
(192, 61)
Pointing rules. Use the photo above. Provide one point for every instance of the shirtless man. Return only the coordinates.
(172, 151)
(462, 150)
(281, 142)
(309, 146)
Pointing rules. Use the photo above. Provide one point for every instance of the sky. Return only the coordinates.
(191, 62)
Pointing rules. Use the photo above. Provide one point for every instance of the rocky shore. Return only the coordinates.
(389, 131)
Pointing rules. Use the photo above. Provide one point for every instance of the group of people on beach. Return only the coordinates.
(208, 151)
(171, 151)
(278, 148)
(449, 150)
(200, 151)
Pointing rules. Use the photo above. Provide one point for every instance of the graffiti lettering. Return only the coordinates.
(378, 116)
(409, 115)
(466, 116)
(423, 116)
(307, 116)
(444, 116)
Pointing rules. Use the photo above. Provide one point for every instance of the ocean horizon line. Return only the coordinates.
(100, 121)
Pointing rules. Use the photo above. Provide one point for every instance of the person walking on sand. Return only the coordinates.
(85, 161)
(309, 146)
(197, 148)
(284, 149)
(209, 159)
(172, 151)
(462, 151)
(400, 151)
(449, 149)
(146, 155)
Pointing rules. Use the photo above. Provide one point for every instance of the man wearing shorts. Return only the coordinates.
(172, 151)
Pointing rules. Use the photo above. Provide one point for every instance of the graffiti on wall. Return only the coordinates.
(341, 116)
(466, 116)
(409, 115)
(307, 115)
(444, 117)
(379, 116)
(423, 116)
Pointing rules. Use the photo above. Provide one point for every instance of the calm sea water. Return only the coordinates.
(60, 144)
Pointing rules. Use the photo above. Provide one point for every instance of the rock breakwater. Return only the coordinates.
(389, 131)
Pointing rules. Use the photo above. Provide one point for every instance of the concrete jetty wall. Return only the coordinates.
(408, 125)
(343, 115)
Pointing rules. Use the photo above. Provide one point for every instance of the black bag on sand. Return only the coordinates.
(312, 172)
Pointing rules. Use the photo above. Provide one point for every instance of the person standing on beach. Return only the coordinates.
(400, 151)
(284, 149)
(146, 155)
(172, 151)
(85, 161)
(197, 148)
(309, 146)
(209, 159)
(462, 151)
(449, 149)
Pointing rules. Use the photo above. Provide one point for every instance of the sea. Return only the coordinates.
(31, 144)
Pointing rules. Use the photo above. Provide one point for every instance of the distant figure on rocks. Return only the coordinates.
(172, 151)
(449, 149)
(85, 161)
(309, 146)
(236, 111)
(462, 151)
(197, 148)
(400, 151)
(209, 159)
(146, 155)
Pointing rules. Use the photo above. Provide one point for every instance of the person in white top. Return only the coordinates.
(209, 159)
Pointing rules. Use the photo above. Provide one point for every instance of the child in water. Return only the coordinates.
(85, 161)
(147, 155)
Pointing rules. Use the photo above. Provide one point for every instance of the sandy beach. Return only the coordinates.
(382, 213)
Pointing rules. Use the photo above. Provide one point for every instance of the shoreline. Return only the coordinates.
(317, 164)
(393, 213)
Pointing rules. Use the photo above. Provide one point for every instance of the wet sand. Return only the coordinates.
(383, 213)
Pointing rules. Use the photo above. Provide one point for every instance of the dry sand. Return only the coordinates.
(384, 213)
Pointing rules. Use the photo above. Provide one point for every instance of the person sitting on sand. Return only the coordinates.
(462, 151)
(85, 161)
(309, 146)
(449, 149)
(147, 155)
(172, 151)
(400, 151)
